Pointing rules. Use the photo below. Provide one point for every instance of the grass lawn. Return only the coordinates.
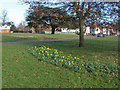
(22, 70)
(34, 36)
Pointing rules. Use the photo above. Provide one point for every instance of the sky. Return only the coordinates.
(16, 10)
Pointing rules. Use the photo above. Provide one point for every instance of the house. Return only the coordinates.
(95, 29)
(64, 30)
(32, 30)
(86, 29)
(105, 30)
(4, 28)
(92, 30)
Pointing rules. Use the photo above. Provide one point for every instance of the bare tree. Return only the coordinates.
(4, 16)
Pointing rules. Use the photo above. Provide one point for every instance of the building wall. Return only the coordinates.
(64, 30)
(105, 31)
(4, 31)
(97, 30)
(87, 30)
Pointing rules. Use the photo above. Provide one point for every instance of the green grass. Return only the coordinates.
(9, 36)
(22, 70)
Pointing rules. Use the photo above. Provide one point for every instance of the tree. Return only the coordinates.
(4, 16)
(22, 26)
(13, 27)
(84, 12)
(78, 9)
(45, 15)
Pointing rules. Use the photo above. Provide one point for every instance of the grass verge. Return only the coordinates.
(6, 37)
(23, 70)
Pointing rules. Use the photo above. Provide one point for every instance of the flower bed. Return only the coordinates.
(73, 63)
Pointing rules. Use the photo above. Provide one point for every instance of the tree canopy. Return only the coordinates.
(86, 12)
(53, 16)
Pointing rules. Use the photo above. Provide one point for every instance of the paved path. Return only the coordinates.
(88, 37)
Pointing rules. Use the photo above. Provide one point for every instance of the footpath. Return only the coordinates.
(88, 37)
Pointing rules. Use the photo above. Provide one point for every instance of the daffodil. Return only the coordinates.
(69, 63)
(72, 62)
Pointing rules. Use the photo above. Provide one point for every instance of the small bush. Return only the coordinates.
(77, 32)
(30, 31)
(94, 34)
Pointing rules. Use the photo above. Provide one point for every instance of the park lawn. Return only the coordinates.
(6, 37)
(22, 70)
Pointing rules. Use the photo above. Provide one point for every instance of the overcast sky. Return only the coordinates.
(16, 11)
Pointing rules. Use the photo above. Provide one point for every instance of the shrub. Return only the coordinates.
(77, 32)
(94, 34)
(30, 31)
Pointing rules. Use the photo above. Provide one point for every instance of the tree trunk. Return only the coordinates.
(81, 30)
(53, 29)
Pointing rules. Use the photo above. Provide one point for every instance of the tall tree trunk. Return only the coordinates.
(81, 30)
(53, 29)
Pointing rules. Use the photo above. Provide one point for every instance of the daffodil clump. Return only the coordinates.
(52, 56)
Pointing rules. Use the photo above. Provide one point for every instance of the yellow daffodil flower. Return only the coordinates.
(72, 62)
(69, 63)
